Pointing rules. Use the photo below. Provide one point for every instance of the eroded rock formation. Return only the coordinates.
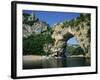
(79, 28)
(32, 25)
(62, 32)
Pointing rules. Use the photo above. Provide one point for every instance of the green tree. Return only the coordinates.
(78, 51)
(75, 50)
(34, 44)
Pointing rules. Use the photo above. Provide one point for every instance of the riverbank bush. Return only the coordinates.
(75, 50)
(34, 44)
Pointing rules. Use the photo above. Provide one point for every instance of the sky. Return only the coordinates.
(54, 17)
(72, 41)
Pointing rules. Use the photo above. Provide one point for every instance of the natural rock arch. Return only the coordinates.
(79, 27)
(81, 31)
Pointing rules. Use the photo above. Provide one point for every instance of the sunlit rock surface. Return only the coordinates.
(81, 31)
(32, 25)
(62, 32)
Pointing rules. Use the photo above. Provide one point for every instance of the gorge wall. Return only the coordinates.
(32, 25)
(62, 32)
(78, 28)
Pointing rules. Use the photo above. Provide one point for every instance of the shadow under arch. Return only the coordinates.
(63, 51)
(67, 38)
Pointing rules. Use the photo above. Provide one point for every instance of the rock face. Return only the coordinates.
(79, 28)
(32, 25)
(36, 34)
(62, 32)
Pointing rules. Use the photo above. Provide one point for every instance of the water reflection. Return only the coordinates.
(56, 63)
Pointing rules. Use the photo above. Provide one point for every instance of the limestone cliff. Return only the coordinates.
(32, 25)
(78, 28)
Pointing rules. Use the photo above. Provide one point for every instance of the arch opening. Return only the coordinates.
(70, 46)
(73, 47)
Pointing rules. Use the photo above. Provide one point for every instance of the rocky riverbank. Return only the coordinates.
(37, 57)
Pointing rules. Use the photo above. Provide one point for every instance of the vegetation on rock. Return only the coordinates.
(37, 35)
(75, 50)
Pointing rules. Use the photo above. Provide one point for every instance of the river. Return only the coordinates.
(53, 62)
